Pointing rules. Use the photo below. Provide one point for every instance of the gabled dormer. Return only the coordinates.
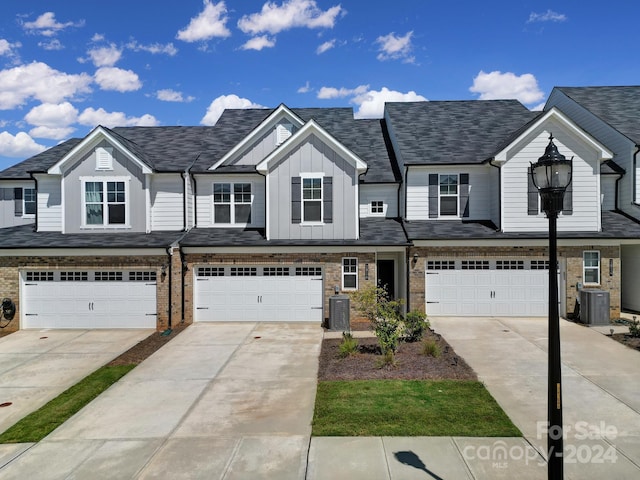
(520, 203)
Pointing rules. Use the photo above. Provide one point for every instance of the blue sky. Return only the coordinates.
(69, 65)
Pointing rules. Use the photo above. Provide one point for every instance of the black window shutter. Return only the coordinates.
(433, 195)
(327, 199)
(17, 195)
(296, 204)
(464, 195)
(532, 195)
(567, 202)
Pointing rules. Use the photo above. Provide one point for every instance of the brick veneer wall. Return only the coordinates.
(572, 255)
(331, 263)
(10, 277)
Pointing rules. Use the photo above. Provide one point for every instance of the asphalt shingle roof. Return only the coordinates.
(617, 106)
(454, 132)
(614, 225)
(40, 162)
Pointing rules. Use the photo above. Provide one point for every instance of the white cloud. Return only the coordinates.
(118, 79)
(221, 103)
(19, 146)
(92, 117)
(7, 48)
(154, 48)
(52, 115)
(38, 80)
(498, 85)
(548, 16)
(207, 24)
(275, 18)
(97, 37)
(326, 93)
(258, 43)
(47, 25)
(168, 95)
(394, 47)
(52, 133)
(52, 44)
(326, 46)
(105, 56)
(371, 103)
(306, 88)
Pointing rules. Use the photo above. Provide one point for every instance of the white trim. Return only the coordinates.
(147, 201)
(79, 252)
(598, 268)
(127, 203)
(24, 202)
(281, 112)
(232, 203)
(603, 152)
(457, 196)
(376, 214)
(310, 128)
(311, 250)
(515, 242)
(343, 273)
(97, 134)
(311, 176)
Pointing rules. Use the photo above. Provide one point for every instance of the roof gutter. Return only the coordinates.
(35, 180)
(635, 173)
(499, 191)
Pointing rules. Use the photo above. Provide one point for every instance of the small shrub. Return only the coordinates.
(349, 345)
(431, 348)
(388, 360)
(415, 323)
(634, 328)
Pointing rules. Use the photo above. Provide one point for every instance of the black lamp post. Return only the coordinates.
(551, 175)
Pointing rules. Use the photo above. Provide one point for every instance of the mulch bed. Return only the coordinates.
(628, 340)
(145, 348)
(411, 363)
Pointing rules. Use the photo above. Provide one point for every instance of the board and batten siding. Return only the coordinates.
(204, 198)
(417, 181)
(313, 156)
(123, 167)
(167, 212)
(630, 278)
(49, 203)
(387, 193)
(585, 183)
(259, 149)
(8, 217)
(622, 148)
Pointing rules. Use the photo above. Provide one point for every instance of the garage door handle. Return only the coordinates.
(151, 314)
(433, 302)
(202, 308)
(316, 308)
(31, 314)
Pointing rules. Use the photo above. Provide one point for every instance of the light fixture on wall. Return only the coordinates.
(551, 175)
(185, 266)
(366, 271)
(415, 259)
(163, 270)
(611, 267)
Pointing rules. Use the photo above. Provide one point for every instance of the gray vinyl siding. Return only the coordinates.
(49, 203)
(167, 212)
(621, 146)
(8, 217)
(204, 198)
(480, 190)
(86, 167)
(493, 179)
(387, 193)
(608, 196)
(585, 182)
(313, 156)
(258, 150)
(188, 181)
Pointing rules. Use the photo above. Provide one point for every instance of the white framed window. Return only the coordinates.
(232, 203)
(104, 158)
(312, 199)
(377, 207)
(28, 202)
(448, 193)
(349, 273)
(591, 267)
(105, 202)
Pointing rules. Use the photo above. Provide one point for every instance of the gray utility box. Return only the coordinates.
(594, 307)
(339, 313)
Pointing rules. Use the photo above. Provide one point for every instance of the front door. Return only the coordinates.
(387, 276)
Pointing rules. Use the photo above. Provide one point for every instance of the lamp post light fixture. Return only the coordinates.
(551, 175)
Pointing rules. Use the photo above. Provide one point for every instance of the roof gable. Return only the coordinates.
(90, 141)
(311, 128)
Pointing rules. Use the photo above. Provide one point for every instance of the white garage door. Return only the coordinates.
(502, 287)
(258, 293)
(89, 299)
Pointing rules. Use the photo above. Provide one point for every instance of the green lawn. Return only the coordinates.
(37, 425)
(409, 408)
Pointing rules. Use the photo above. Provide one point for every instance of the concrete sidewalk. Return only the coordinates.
(38, 365)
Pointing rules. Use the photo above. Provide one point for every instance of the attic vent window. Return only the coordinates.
(283, 131)
(104, 158)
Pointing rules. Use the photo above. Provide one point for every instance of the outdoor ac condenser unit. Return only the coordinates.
(339, 313)
(594, 307)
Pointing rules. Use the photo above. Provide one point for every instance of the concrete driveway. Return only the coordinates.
(601, 390)
(219, 401)
(37, 365)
